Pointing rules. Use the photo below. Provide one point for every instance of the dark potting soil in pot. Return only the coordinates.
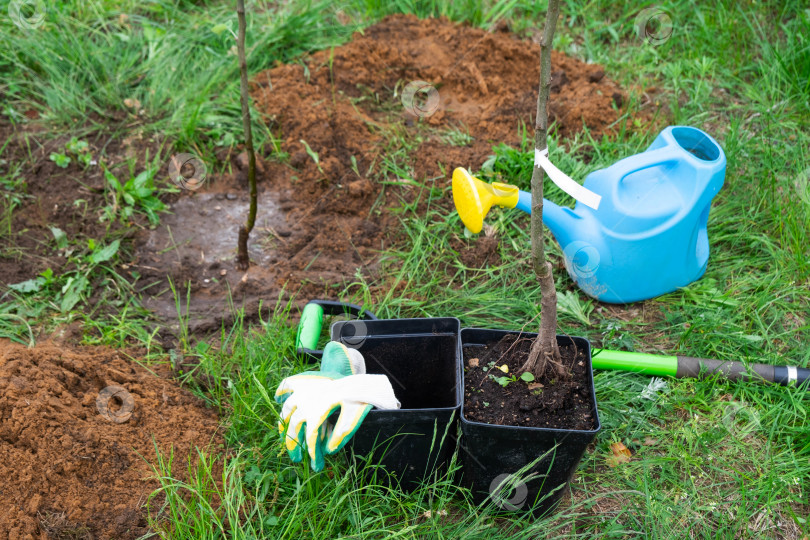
(560, 404)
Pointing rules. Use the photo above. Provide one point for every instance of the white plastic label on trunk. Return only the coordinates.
(580, 193)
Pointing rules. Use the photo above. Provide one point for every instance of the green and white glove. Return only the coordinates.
(311, 397)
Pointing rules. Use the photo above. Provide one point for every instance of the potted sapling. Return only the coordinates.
(529, 407)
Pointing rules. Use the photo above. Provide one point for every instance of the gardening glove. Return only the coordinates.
(310, 398)
(338, 361)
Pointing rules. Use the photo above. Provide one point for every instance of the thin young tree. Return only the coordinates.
(242, 257)
(544, 357)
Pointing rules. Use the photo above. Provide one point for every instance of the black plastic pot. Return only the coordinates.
(422, 359)
(493, 456)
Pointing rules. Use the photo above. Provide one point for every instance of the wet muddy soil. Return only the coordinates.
(325, 213)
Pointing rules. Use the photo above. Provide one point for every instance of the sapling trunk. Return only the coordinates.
(242, 257)
(544, 358)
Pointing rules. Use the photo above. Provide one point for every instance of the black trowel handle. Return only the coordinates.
(784, 375)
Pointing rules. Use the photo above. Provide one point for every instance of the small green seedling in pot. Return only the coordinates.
(505, 380)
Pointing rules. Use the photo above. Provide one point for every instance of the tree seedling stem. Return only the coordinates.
(544, 356)
(242, 257)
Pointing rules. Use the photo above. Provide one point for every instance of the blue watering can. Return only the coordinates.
(648, 236)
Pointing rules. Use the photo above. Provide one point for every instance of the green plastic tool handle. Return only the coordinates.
(309, 329)
(648, 364)
(311, 324)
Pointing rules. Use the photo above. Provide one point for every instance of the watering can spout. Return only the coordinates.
(562, 222)
(473, 198)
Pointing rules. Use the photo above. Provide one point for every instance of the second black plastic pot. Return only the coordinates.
(493, 456)
(422, 359)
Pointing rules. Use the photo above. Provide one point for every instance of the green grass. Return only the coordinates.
(711, 459)
(174, 58)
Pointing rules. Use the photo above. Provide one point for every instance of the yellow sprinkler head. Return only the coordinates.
(473, 198)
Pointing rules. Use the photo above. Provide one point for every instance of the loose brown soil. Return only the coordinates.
(70, 467)
(561, 404)
(318, 224)
(479, 254)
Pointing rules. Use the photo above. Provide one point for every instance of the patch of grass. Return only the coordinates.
(169, 67)
(476, 12)
(12, 188)
(459, 136)
(90, 287)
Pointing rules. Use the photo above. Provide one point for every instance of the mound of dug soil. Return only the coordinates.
(72, 454)
(323, 212)
(486, 85)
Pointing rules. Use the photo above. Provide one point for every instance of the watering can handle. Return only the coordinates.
(309, 328)
(637, 162)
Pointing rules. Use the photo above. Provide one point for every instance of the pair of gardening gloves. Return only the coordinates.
(311, 397)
